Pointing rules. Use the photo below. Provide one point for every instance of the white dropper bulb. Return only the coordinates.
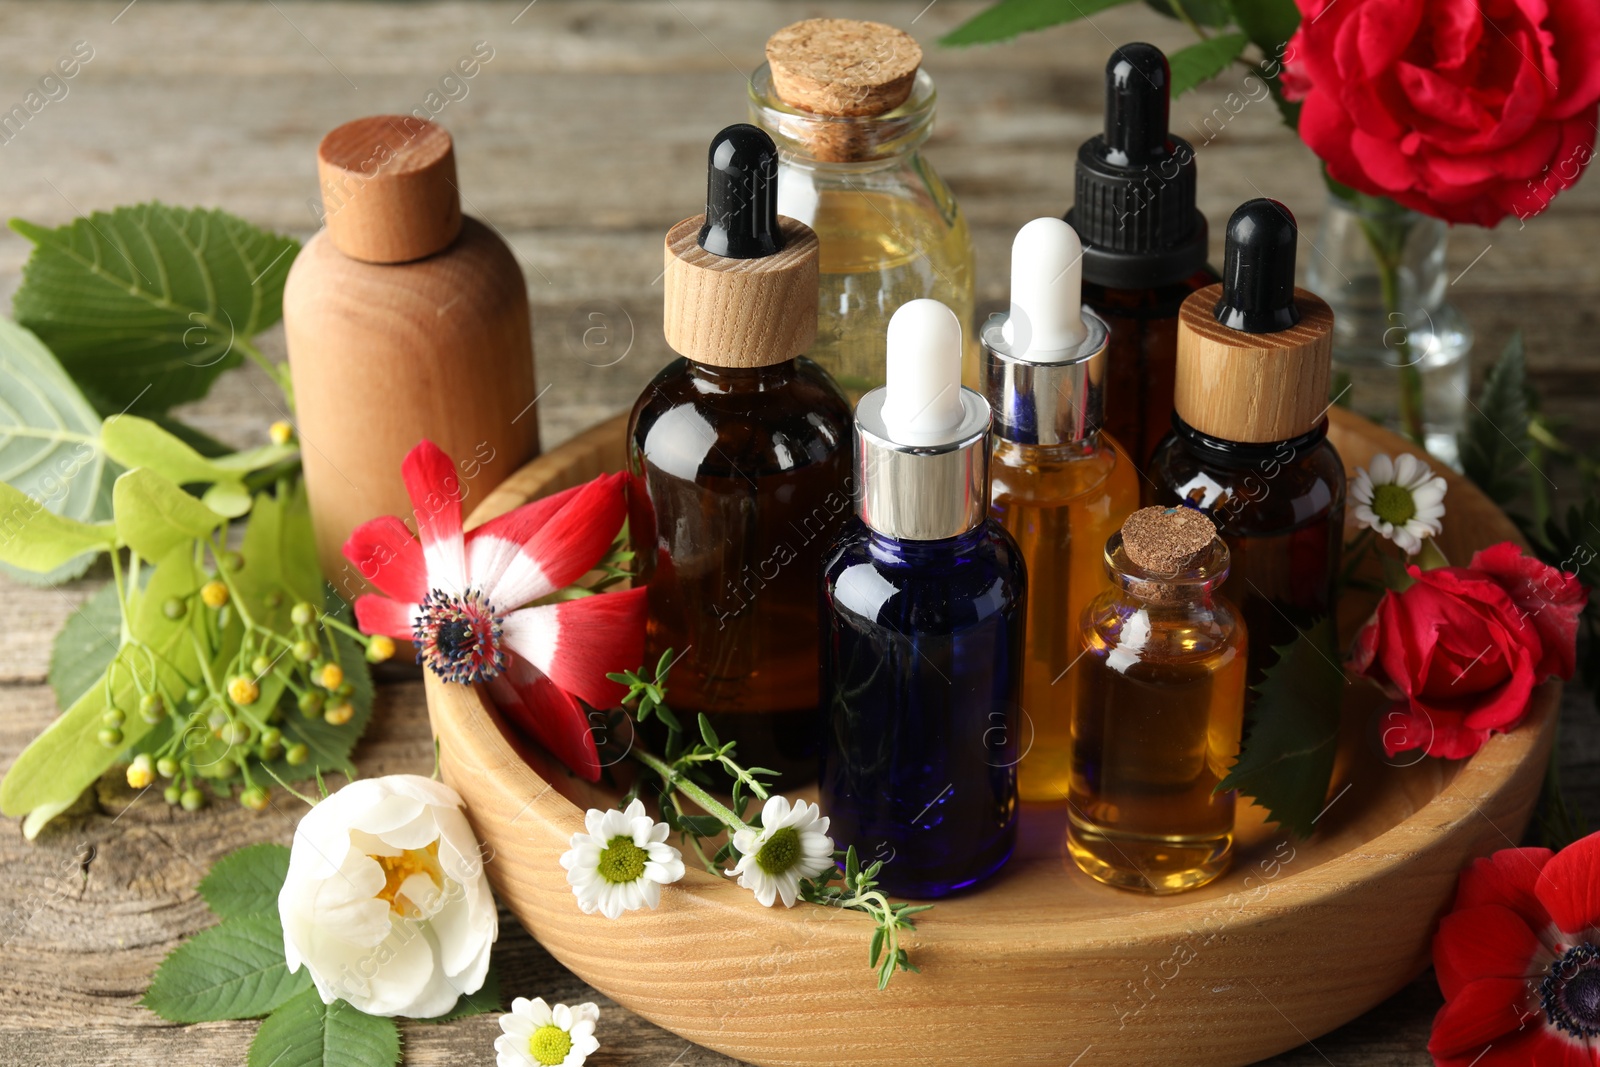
(922, 401)
(1046, 291)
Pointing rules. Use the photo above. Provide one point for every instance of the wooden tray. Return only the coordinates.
(1041, 965)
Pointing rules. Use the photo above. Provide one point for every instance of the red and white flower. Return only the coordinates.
(464, 599)
(1518, 960)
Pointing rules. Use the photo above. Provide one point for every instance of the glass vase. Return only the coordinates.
(1400, 350)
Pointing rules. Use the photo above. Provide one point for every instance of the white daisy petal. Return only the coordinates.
(590, 864)
(539, 1047)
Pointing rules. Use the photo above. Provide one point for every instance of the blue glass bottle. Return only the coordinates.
(922, 631)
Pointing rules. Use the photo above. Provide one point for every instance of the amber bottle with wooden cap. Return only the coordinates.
(849, 108)
(743, 450)
(404, 320)
(1159, 711)
(1249, 440)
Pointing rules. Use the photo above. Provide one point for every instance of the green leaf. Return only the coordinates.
(36, 539)
(136, 442)
(232, 971)
(1495, 440)
(146, 305)
(330, 745)
(486, 1001)
(1292, 732)
(246, 882)
(305, 1032)
(1009, 18)
(85, 646)
(280, 555)
(1269, 23)
(154, 516)
(1215, 13)
(49, 445)
(1204, 60)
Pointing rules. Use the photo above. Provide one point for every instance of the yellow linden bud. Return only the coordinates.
(280, 432)
(140, 772)
(380, 648)
(338, 715)
(242, 690)
(214, 594)
(330, 676)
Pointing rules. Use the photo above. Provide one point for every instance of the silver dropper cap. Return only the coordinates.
(922, 440)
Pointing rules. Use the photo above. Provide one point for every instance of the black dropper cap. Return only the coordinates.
(1134, 200)
(742, 195)
(1258, 269)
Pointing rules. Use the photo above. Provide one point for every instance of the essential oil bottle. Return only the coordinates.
(850, 107)
(924, 608)
(1161, 699)
(742, 448)
(1249, 442)
(1144, 243)
(1058, 484)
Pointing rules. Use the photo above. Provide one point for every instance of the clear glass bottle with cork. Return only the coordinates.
(850, 108)
(741, 450)
(1160, 709)
(1059, 485)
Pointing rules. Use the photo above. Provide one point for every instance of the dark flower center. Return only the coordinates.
(1570, 993)
(458, 637)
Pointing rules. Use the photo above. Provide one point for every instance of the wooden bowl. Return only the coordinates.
(1041, 965)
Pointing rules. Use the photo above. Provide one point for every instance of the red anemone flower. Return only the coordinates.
(1518, 960)
(463, 599)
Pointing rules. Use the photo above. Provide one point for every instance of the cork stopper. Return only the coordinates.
(1166, 540)
(843, 67)
(389, 188)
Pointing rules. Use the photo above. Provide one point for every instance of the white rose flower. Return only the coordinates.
(792, 844)
(386, 901)
(537, 1035)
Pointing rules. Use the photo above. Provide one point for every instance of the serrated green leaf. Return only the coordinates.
(304, 1032)
(1269, 23)
(49, 444)
(246, 882)
(147, 304)
(36, 539)
(232, 971)
(1292, 732)
(1009, 18)
(1495, 441)
(154, 516)
(85, 645)
(1204, 60)
(486, 1001)
(280, 555)
(1215, 13)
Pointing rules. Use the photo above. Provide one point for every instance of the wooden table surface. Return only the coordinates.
(581, 141)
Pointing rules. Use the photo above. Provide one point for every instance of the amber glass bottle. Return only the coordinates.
(743, 448)
(1157, 723)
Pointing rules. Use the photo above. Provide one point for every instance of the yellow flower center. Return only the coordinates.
(622, 861)
(396, 869)
(550, 1044)
(781, 852)
(1393, 504)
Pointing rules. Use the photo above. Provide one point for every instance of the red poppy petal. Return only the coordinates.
(551, 716)
(1478, 1015)
(519, 563)
(1487, 942)
(578, 642)
(385, 554)
(1508, 878)
(1532, 1046)
(435, 491)
(1569, 886)
(381, 615)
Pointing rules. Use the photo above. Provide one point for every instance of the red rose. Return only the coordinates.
(1462, 648)
(1467, 110)
(1518, 961)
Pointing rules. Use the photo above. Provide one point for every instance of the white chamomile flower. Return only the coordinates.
(537, 1035)
(622, 862)
(792, 844)
(1400, 498)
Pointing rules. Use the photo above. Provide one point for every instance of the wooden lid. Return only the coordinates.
(843, 67)
(1252, 387)
(389, 188)
(740, 312)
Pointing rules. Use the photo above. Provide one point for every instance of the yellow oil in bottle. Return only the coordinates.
(1061, 503)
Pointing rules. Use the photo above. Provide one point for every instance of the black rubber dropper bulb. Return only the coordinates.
(1258, 269)
(1138, 90)
(742, 195)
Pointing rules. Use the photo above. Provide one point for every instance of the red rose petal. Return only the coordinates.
(1569, 886)
(1487, 942)
(1574, 35)
(1549, 600)
(1456, 27)
(1439, 98)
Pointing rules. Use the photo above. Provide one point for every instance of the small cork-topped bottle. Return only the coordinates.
(1249, 442)
(849, 107)
(404, 320)
(742, 446)
(1159, 711)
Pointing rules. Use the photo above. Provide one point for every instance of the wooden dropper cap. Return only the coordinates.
(1254, 351)
(389, 188)
(741, 280)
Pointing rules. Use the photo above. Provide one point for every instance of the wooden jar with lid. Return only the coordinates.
(404, 320)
